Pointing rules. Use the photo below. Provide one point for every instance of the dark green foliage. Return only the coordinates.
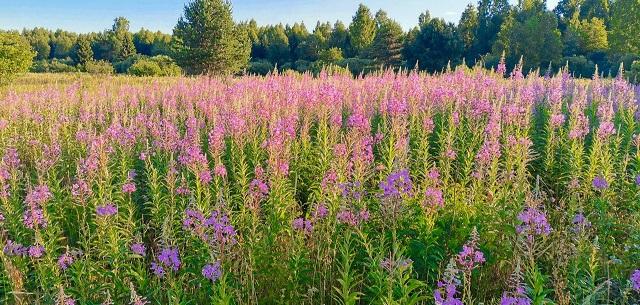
(434, 44)
(208, 41)
(262, 67)
(54, 66)
(386, 48)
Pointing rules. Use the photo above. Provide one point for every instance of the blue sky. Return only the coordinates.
(96, 15)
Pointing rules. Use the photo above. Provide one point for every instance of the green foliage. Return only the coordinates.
(386, 48)
(330, 56)
(262, 67)
(208, 41)
(467, 28)
(625, 26)
(98, 67)
(530, 33)
(39, 40)
(634, 73)
(54, 66)
(16, 56)
(154, 66)
(419, 46)
(362, 29)
(592, 34)
(83, 53)
(62, 44)
(276, 44)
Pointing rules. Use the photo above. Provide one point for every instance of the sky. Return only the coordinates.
(97, 15)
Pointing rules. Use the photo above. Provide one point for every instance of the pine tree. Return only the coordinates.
(362, 29)
(386, 48)
(83, 52)
(208, 41)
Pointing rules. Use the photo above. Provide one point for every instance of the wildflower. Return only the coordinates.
(1, 217)
(448, 286)
(170, 258)
(135, 298)
(515, 300)
(65, 260)
(396, 185)
(321, 212)
(534, 223)
(36, 251)
(138, 248)
(638, 180)
(352, 219)
(12, 248)
(33, 216)
(205, 177)
(258, 189)
(433, 197)
(106, 210)
(80, 189)
(635, 280)
(212, 271)
(157, 269)
(391, 265)
(220, 171)
(301, 224)
(128, 187)
(557, 120)
(599, 183)
(580, 223)
(470, 257)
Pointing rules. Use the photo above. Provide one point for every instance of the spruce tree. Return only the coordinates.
(208, 41)
(386, 48)
(362, 29)
(83, 52)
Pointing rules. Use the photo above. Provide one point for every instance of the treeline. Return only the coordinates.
(577, 33)
(113, 50)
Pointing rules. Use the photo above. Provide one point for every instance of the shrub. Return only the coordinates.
(260, 67)
(53, 66)
(98, 67)
(357, 66)
(145, 67)
(160, 65)
(16, 56)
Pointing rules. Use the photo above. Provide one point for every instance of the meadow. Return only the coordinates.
(464, 187)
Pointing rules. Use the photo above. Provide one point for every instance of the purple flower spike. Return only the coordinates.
(212, 271)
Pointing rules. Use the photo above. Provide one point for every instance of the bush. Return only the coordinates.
(357, 66)
(160, 65)
(98, 67)
(145, 67)
(53, 66)
(262, 67)
(124, 65)
(302, 65)
(16, 56)
(580, 66)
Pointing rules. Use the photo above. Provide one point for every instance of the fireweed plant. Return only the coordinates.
(464, 187)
